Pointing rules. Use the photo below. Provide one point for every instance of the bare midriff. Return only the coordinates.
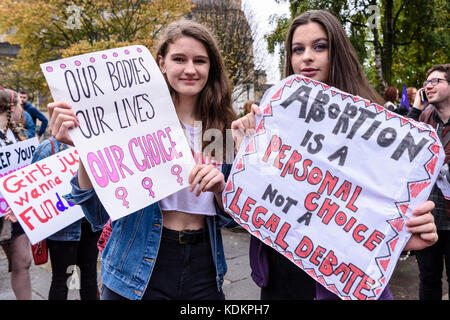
(176, 220)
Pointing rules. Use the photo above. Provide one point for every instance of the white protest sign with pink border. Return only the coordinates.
(35, 195)
(14, 157)
(329, 180)
(129, 139)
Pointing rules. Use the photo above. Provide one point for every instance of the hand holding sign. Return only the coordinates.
(62, 119)
(9, 215)
(422, 228)
(207, 177)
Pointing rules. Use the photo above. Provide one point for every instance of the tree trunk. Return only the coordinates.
(378, 59)
(388, 40)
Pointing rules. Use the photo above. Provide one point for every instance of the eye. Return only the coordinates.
(178, 59)
(321, 46)
(297, 49)
(200, 61)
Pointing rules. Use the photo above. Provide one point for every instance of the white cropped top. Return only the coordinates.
(184, 200)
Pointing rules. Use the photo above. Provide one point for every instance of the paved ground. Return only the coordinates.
(238, 284)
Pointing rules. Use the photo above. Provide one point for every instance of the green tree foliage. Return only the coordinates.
(396, 40)
(52, 29)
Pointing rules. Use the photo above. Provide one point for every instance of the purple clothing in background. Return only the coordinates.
(260, 272)
(258, 262)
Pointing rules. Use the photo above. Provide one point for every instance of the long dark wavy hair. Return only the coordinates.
(346, 72)
(214, 104)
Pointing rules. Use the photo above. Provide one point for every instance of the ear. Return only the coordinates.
(161, 64)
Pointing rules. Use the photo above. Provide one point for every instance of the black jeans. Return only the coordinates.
(64, 255)
(286, 280)
(431, 265)
(181, 272)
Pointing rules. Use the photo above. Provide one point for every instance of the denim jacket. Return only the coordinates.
(130, 254)
(73, 231)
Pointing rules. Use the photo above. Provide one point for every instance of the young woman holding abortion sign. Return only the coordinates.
(171, 249)
(318, 48)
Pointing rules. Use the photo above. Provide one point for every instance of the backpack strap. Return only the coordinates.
(445, 140)
(53, 145)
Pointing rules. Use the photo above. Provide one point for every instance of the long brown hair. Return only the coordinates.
(9, 99)
(345, 71)
(214, 104)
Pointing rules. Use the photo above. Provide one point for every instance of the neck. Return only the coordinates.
(185, 107)
(443, 110)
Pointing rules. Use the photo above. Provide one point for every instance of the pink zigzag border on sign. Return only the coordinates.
(397, 224)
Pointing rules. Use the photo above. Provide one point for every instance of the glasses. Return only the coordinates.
(433, 81)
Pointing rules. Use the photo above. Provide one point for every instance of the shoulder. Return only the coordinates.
(26, 115)
(427, 114)
(28, 105)
(44, 150)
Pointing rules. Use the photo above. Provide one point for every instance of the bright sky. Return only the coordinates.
(261, 10)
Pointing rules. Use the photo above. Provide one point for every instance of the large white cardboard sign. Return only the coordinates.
(329, 180)
(129, 136)
(35, 192)
(14, 157)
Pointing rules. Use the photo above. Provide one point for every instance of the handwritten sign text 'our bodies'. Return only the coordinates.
(35, 192)
(337, 178)
(14, 157)
(129, 139)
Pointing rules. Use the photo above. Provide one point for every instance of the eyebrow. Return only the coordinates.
(184, 55)
(314, 41)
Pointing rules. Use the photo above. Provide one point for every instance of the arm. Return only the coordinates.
(44, 122)
(62, 119)
(91, 205)
(244, 126)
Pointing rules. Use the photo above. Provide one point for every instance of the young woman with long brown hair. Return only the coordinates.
(318, 48)
(171, 249)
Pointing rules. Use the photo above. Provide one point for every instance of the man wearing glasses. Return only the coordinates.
(436, 91)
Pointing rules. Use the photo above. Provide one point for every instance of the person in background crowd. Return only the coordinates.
(26, 125)
(391, 98)
(14, 241)
(430, 259)
(76, 244)
(318, 48)
(34, 112)
(411, 92)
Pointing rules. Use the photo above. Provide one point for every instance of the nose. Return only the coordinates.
(308, 54)
(429, 85)
(189, 68)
